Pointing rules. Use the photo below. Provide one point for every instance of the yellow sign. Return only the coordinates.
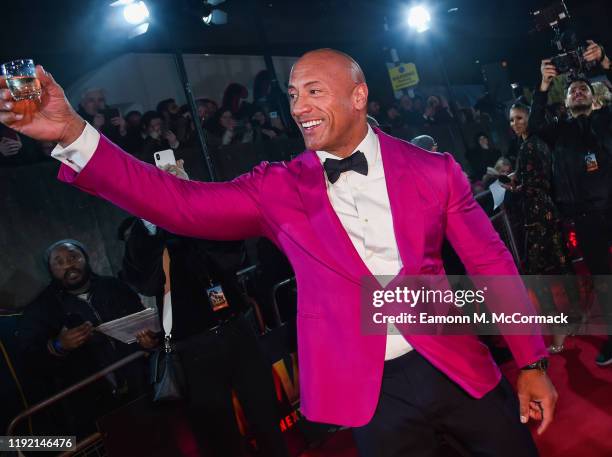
(403, 76)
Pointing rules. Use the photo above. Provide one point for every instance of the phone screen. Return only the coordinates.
(163, 158)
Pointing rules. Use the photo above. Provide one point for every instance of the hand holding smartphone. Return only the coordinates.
(164, 158)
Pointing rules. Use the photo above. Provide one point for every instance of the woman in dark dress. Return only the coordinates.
(544, 242)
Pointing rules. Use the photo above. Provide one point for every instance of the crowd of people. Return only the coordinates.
(170, 126)
(556, 179)
(539, 176)
(233, 120)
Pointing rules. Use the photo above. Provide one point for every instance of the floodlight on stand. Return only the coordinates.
(136, 13)
(419, 18)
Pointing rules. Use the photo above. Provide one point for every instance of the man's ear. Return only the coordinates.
(360, 96)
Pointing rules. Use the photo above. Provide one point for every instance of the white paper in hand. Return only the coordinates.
(125, 328)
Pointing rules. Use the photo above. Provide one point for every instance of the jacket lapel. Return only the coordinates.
(337, 249)
(402, 181)
(406, 205)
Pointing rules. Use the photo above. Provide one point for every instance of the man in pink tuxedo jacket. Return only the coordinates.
(399, 393)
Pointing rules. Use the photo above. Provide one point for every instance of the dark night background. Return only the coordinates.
(73, 36)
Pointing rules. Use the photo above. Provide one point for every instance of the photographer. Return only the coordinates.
(582, 169)
(157, 136)
(106, 120)
(263, 130)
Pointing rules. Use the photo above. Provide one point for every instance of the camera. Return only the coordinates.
(569, 59)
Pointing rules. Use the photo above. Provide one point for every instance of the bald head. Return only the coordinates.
(329, 99)
(339, 60)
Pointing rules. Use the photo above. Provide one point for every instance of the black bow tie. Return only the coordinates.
(356, 162)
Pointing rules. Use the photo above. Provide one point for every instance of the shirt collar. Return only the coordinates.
(369, 147)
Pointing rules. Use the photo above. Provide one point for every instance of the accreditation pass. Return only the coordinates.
(37, 443)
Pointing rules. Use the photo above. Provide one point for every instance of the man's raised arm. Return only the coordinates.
(94, 164)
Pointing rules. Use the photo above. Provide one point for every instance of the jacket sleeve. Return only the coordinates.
(36, 329)
(225, 211)
(483, 253)
(538, 122)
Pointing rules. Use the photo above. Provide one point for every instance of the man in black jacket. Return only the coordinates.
(582, 171)
(218, 348)
(59, 344)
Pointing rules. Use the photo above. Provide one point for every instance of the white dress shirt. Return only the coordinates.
(361, 203)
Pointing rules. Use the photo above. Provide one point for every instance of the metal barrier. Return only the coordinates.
(502, 215)
(81, 445)
(275, 308)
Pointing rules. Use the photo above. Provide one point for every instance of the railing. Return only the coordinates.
(68, 391)
(275, 307)
(502, 215)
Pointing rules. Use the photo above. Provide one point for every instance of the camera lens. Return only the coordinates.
(157, 156)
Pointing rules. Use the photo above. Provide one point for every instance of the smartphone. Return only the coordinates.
(163, 158)
(273, 114)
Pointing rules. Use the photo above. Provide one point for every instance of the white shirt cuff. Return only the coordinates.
(77, 154)
(498, 193)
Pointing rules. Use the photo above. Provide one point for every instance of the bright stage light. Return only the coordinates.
(136, 13)
(419, 18)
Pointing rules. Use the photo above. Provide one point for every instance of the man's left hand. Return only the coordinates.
(537, 398)
(595, 53)
(119, 121)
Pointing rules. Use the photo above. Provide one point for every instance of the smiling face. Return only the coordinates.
(328, 98)
(579, 96)
(518, 121)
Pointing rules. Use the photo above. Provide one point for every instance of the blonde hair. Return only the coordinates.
(501, 162)
(601, 93)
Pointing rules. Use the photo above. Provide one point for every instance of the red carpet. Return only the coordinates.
(583, 421)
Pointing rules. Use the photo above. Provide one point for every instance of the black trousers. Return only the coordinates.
(594, 233)
(420, 411)
(217, 362)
